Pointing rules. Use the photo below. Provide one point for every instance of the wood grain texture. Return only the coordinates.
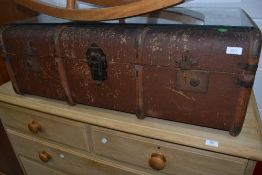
(56, 129)
(180, 160)
(115, 12)
(32, 167)
(247, 145)
(250, 167)
(70, 4)
(109, 2)
(72, 162)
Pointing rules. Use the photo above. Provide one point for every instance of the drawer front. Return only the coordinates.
(63, 159)
(46, 126)
(34, 168)
(175, 159)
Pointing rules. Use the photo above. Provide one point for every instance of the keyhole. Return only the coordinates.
(194, 82)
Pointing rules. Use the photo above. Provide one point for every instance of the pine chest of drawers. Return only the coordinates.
(50, 137)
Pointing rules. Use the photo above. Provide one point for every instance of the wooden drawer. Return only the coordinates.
(63, 159)
(56, 129)
(180, 160)
(34, 168)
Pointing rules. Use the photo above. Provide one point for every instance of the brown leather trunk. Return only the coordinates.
(183, 74)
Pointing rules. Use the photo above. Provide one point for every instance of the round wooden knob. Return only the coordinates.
(157, 161)
(34, 127)
(44, 156)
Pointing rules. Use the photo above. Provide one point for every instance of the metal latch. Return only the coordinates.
(192, 80)
(33, 63)
(96, 60)
(186, 61)
(32, 60)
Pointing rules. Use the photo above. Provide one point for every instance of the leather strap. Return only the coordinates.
(7, 58)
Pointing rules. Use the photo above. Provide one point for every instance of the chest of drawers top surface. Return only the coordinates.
(247, 145)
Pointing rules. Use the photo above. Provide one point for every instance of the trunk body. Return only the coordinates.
(194, 75)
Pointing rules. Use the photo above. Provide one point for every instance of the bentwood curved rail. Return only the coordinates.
(114, 9)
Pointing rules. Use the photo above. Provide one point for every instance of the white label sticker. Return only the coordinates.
(234, 50)
(212, 143)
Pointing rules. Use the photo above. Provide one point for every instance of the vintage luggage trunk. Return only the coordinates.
(196, 74)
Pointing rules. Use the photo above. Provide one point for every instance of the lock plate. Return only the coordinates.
(97, 63)
(33, 63)
(192, 80)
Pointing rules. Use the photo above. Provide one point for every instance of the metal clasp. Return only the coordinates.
(186, 62)
(188, 79)
(32, 60)
(192, 80)
(96, 60)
